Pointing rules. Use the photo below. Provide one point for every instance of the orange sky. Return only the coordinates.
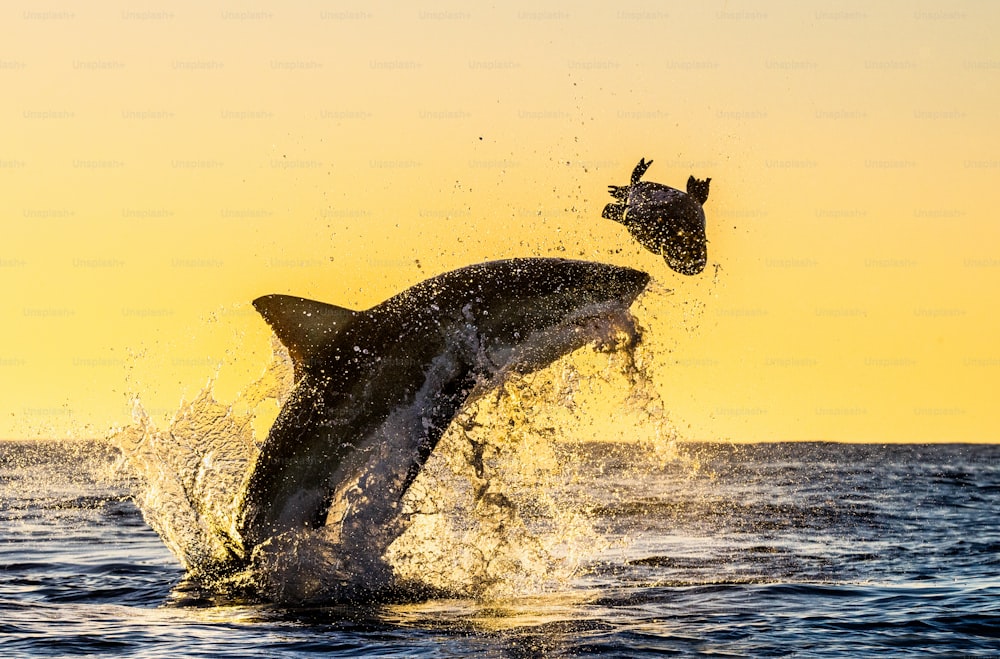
(162, 165)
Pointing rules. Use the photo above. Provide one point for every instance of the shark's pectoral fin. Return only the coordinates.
(303, 326)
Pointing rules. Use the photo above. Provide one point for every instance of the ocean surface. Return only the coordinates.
(766, 550)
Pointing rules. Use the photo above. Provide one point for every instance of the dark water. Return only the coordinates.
(804, 550)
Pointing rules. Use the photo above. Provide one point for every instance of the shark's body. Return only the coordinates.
(375, 390)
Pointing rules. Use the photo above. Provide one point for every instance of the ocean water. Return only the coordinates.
(766, 550)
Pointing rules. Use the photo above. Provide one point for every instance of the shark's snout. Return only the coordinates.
(614, 283)
(632, 283)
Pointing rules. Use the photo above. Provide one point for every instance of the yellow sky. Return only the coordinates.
(163, 164)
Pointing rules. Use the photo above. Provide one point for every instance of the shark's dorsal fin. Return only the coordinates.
(303, 326)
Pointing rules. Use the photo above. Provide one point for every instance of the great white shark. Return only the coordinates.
(376, 389)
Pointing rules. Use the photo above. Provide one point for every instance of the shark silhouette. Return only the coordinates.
(376, 389)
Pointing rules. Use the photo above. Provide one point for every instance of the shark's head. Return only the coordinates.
(527, 293)
(600, 283)
(561, 285)
(528, 312)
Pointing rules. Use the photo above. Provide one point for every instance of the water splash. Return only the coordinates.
(191, 473)
(496, 513)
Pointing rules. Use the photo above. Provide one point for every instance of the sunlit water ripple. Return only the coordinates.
(811, 550)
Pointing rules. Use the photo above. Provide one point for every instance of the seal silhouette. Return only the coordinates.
(664, 220)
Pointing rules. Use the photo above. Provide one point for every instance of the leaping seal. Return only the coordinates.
(664, 220)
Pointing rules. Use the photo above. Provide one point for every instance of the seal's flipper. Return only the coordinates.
(698, 188)
(639, 170)
(303, 326)
(614, 212)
